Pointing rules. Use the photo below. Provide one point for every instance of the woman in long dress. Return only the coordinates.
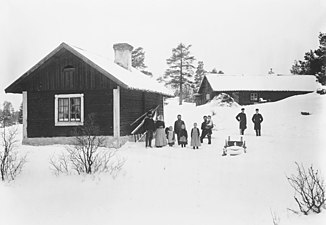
(195, 137)
(160, 136)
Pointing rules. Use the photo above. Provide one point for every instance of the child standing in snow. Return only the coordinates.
(195, 137)
(170, 136)
(183, 136)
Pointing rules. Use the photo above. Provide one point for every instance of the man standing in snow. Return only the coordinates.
(203, 129)
(210, 123)
(257, 119)
(177, 126)
(242, 118)
(149, 127)
(209, 128)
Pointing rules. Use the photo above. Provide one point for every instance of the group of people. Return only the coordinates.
(257, 119)
(169, 135)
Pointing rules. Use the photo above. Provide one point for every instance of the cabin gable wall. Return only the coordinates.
(65, 72)
(204, 92)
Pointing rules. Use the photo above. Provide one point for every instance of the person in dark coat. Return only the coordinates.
(167, 131)
(242, 118)
(150, 128)
(183, 136)
(206, 127)
(177, 126)
(209, 128)
(257, 119)
(203, 129)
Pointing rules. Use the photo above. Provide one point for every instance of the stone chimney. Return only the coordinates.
(122, 55)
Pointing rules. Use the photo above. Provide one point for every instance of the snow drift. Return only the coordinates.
(183, 186)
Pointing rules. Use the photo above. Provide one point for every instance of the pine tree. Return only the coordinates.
(180, 69)
(138, 60)
(314, 62)
(7, 115)
(199, 74)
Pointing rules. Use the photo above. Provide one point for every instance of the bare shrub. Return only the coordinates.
(276, 218)
(310, 187)
(60, 165)
(106, 161)
(85, 156)
(11, 164)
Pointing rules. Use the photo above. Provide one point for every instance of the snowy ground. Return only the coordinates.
(182, 186)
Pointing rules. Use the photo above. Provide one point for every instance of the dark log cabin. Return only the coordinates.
(70, 83)
(247, 90)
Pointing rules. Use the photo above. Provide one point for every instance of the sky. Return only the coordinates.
(236, 36)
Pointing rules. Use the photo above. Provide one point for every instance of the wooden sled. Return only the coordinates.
(233, 147)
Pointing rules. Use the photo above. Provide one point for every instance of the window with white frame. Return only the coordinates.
(254, 96)
(69, 109)
(208, 97)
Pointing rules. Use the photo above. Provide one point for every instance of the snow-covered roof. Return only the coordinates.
(130, 79)
(133, 79)
(262, 82)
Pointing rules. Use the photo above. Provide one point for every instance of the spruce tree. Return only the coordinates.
(138, 60)
(199, 74)
(180, 70)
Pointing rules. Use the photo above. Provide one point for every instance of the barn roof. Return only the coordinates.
(133, 79)
(262, 82)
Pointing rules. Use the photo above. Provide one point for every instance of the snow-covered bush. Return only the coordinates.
(220, 101)
(85, 156)
(224, 100)
(309, 185)
(11, 164)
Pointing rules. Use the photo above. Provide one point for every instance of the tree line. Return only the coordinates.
(184, 77)
(314, 61)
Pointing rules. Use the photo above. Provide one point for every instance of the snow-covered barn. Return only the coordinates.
(70, 83)
(254, 89)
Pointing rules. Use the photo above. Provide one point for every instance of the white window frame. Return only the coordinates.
(208, 97)
(68, 123)
(254, 96)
